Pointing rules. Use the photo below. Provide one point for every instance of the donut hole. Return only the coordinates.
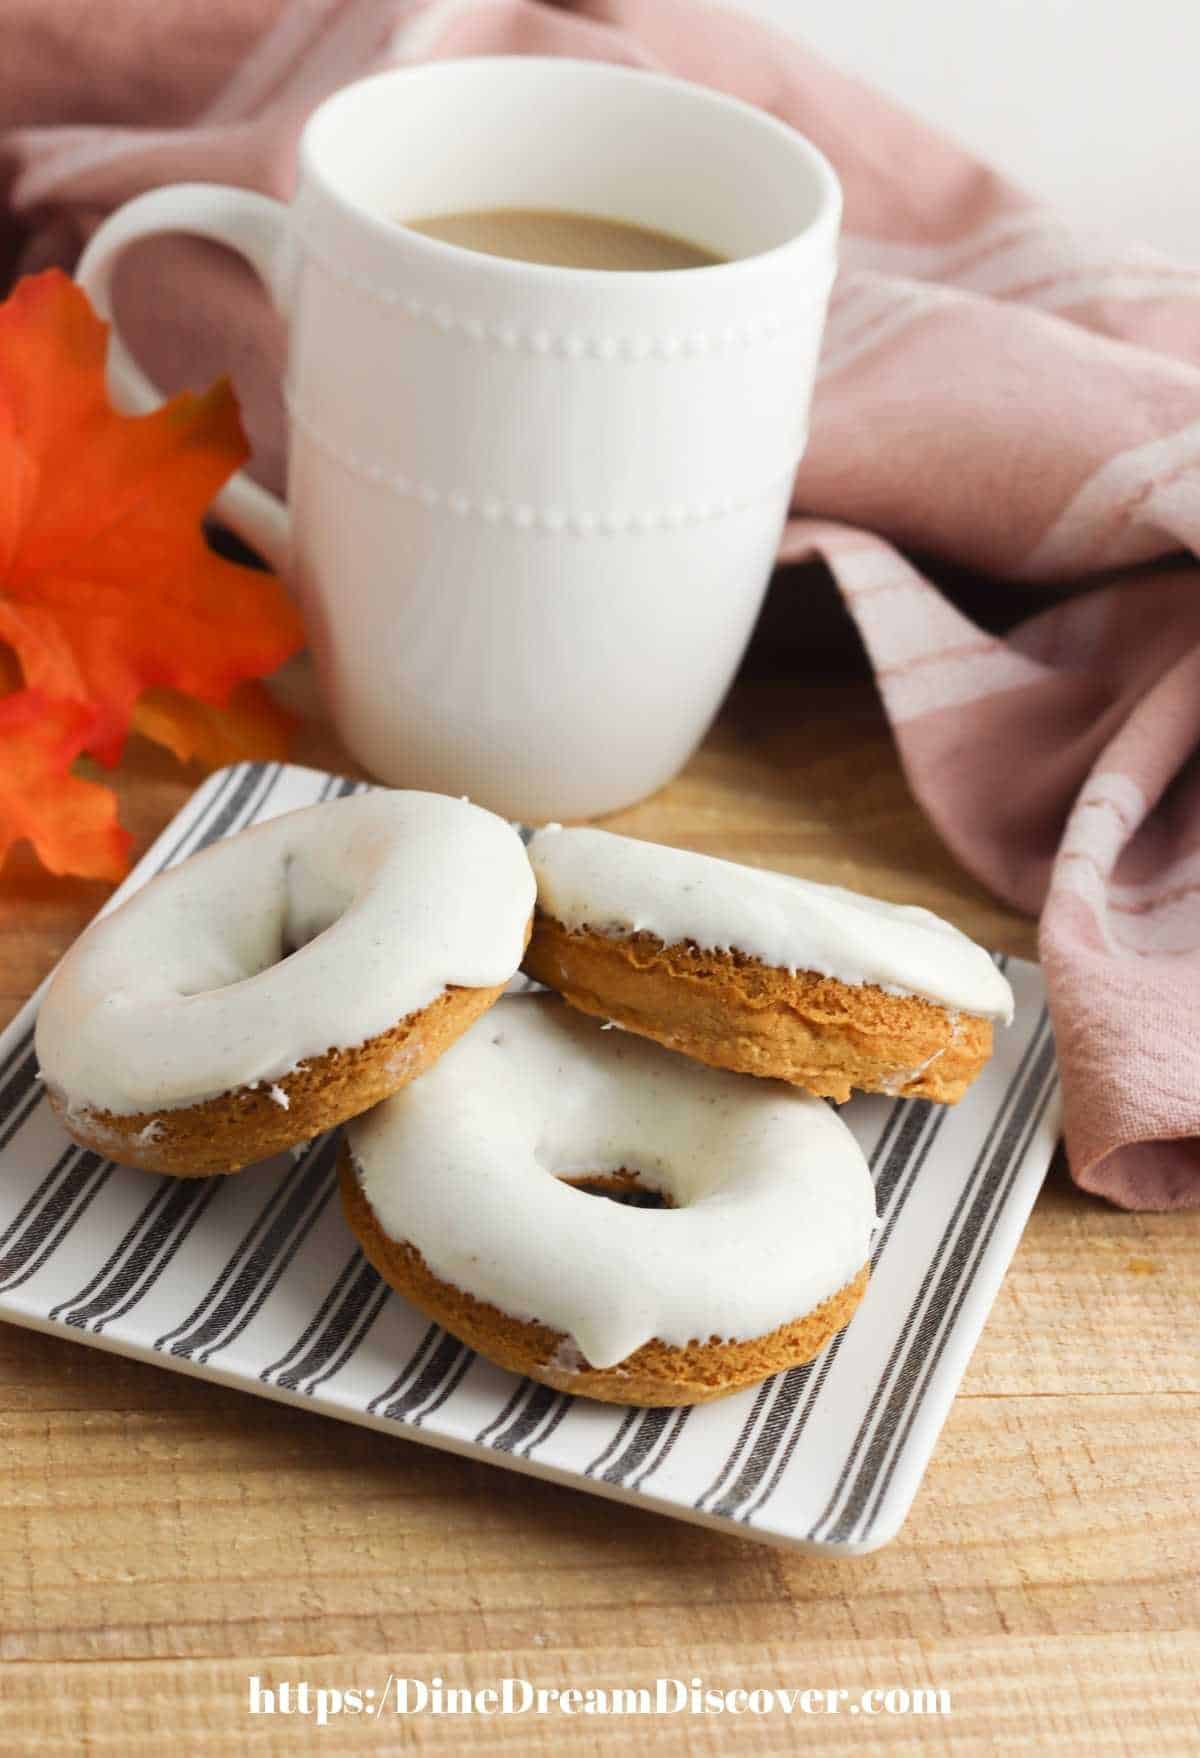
(288, 907)
(623, 1186)
(240, 962)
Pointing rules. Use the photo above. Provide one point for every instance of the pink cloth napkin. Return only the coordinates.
(996, 392)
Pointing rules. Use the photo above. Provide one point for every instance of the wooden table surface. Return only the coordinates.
(164, 1538)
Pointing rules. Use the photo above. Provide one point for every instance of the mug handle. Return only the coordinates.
(257, 228)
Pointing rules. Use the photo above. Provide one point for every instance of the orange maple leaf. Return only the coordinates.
(250, 724)
(109, 596)
(39, 739)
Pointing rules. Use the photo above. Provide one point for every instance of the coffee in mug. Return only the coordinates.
(565, 240)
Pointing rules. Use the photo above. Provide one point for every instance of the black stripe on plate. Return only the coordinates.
(623, 1427)
(921, 1127)
(564, 1404)
(15, 1051)
(964, 1216)
(411, 1368)
(330, 1302)
(453, 1380)
(334, 1320)
(931, 1364)
(884, 1184)
(256, 1260)
(647, 1432)
(357, 1336)
(253, 1296)
(539, 1406)
(211, 1295)
(30, 1205)
(954, 1222)
(917, 1136)
(169, 1208)
(673, 1434)
(76, 1176)
(243, 779)
(446, 1360)
(523, 1392)
(20, 1092)
(908, 1133)
(896, 1424)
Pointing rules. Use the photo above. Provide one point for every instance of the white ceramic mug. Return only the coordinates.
(532, 510)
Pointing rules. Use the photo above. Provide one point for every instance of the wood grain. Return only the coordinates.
(164, 1538)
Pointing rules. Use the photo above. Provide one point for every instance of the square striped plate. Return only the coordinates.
(255, 1281)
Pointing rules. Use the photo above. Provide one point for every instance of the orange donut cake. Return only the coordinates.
(760, 972)
(283, 980)
(464, 1192)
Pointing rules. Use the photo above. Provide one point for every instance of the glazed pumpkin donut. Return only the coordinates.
(761, 972)
(282, 980)
(462, 1191)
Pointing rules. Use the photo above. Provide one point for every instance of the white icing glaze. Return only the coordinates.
(192, 988)
(776, 1205)
(616, 886)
